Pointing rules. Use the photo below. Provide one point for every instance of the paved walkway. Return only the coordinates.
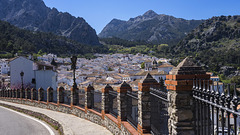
(72, 125)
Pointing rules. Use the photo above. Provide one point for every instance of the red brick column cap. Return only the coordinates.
(49, 88)
(40, 88)
(107, 88)
(60, 88)
(124, 87)
(89, 88)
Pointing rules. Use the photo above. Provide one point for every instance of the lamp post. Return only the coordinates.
(21, 93)
(74, 95)
(74, 61)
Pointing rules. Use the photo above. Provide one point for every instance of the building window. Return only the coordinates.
(33, 81)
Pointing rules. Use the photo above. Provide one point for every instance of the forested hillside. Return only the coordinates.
(15, 40)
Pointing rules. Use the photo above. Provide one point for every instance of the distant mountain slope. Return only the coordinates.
(34, 15)
(150, 27)
(15, 40)
(215, 43)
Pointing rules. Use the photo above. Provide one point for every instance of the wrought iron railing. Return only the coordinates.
(97, 100)
(54, 96)
(132, 102)
(159, 111)
(81, 94)
(216, 111)
(67, 97)
(45, 95)
(113, 103)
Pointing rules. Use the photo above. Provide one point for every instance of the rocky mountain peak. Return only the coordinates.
(150, 14)
(36, 16)
(150, 27)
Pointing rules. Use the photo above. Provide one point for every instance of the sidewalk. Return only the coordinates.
(72, 125)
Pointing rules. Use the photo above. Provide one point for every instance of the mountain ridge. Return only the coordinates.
(151, 27)
(36, 16)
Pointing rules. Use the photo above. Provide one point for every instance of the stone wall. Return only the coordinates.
(91, 115)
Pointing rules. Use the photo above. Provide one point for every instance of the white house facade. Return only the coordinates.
(35, 75)
(17, 65)
(4, 66)
(45, 79)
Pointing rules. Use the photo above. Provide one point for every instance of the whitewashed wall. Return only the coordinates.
(16, 66)
(45, 79)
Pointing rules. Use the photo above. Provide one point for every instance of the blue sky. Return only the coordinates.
(100, 12)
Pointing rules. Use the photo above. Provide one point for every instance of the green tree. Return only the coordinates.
(110, 69)
(236, 79)
(143, 65)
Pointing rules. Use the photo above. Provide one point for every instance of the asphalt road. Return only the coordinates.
(15, 123)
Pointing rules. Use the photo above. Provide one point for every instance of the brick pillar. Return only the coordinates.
(27, 93)
(105, 99)
(33, 94)
(49, 94)
(40, 94)
(144, 110)
(89, 97)
(122, 102)
(181, 108)
(60, 95)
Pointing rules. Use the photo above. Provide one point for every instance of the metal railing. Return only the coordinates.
(67, 97)
(54, 96)
(159, 111)
(97, 106)
(113, 103)
(216, 111)
(81, 94)
(132, 106)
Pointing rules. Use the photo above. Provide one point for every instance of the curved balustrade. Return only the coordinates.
(215, 108)
(118, 111)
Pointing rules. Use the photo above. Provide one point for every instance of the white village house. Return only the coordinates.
(36, 75)
(4, 66)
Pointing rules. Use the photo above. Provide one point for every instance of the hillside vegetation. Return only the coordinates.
(15, 40)
(214, 43)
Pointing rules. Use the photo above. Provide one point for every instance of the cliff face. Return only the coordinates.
(34, 15)
(150, 27)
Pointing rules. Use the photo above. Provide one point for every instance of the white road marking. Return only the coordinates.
(45, 125)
